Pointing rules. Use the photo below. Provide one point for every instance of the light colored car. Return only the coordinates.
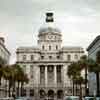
(7, 98)
(23, 98)
(71, 98)
(92, 98)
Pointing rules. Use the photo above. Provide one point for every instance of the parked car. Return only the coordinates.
(71, 98)
(7, 98)
(91, 98)
(23, 98)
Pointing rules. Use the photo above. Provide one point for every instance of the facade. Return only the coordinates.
(5, 55)
(92, 49)
(46, 65)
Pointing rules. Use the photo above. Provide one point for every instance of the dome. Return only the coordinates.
(49, 26)
(44, 30)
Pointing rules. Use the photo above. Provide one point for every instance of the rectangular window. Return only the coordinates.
(42, 57)
(24, 68)
(32, 57)
(24, 57)
(31, 72)
(69, 57)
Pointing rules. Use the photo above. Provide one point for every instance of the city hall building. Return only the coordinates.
(46, 65)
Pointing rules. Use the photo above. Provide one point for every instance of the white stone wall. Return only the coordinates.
(37, 57)
(4, 53)
(92, 78)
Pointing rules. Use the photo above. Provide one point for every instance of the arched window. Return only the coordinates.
(69, 57)
(49, 47)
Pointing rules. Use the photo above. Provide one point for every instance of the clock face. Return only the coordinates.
(50, 37)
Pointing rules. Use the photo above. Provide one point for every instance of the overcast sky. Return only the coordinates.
(20, 20)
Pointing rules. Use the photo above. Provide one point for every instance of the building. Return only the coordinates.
(46, 65)
(92, 49)
(5, 55)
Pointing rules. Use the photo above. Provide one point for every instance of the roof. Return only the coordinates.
(94, 42)
(27, 49)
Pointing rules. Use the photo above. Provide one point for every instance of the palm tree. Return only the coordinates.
(12, 74)
(20, 77)
(80, 81)
(24, 79)
(73, 72)
(8, 76)
(84, 64)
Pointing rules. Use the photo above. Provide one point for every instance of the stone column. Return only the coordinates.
(38, 74)
(46, 75)
(55, 75)
(28, 91)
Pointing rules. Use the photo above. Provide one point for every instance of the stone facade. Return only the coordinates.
(46, 65)
(5, 55)
(92, 49)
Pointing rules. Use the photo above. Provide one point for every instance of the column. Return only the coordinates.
(46, 75)
(55, 75)
(28, 91)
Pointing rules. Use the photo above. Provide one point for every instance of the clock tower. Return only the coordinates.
(49, 35)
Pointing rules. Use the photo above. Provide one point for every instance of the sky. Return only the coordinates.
(20, 20)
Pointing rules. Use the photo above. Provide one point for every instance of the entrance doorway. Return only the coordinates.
(50, 95)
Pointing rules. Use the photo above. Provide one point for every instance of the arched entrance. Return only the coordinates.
(42, 93)
(50, 95)
(60, 94)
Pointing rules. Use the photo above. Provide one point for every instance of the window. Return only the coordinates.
(58, 57)
(56, 47)
(31, 71)
(23, 92)
(24, 68)
(50, 57)
(32, 57)
(42, 69)
(69, 57)
(42, 57)
(43, 47)
(24, 57)
(76, 57)
(49, 47)
(31, 92)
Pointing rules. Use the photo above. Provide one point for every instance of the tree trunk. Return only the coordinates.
(9, 87)
(18, 89)
(76, 88)
(0, 81)
(97, 80)
(80, 91)
(86, 81)
(73, 88)
(21, 87)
